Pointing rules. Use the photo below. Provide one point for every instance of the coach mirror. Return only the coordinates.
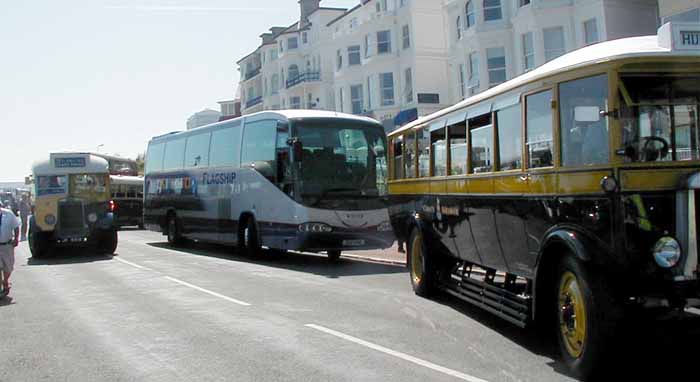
(297, 148)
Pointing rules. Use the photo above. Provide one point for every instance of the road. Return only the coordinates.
(203, 312)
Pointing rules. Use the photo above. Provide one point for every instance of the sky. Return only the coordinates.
(77, 74)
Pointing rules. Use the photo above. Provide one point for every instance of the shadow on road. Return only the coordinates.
(644, 348)
(5, 301)
(63, 256)
(302, 262)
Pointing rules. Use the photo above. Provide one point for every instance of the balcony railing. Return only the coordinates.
(252, 73)
(253, 101)
(303, 77)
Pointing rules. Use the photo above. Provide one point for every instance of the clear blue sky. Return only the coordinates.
(78, 73)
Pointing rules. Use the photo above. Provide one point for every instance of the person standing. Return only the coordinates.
(25, 209)
(9, 239)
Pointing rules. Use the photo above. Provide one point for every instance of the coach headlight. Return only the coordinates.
(315, 228)
(50, 219)
(667, 252)
(384, 227)
(92, 217)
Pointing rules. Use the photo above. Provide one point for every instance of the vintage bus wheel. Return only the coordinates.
(109, 241)
(585, 318)
(420, 265)
(38, 245)
(174, 236)
(333, 255)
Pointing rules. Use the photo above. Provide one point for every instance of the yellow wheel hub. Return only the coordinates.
(417, 259)
(572, 315)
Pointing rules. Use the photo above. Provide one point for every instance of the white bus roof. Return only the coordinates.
(128, 180)
(61, 163)
(631, 47)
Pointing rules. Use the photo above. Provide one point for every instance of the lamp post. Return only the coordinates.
(98, 147)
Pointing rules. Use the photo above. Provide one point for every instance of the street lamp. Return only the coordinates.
(98, 147)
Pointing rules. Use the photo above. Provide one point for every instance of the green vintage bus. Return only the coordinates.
(566, 195)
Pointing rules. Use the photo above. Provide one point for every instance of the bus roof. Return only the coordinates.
(292, 114)
(61, 163)
(631, 47)
(125, 179)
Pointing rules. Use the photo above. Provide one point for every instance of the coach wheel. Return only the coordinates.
(38, 245)
(333, 256)
(249, 243)
(420, 265)
(173, 230)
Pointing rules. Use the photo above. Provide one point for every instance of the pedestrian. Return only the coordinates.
(25, 209)
(9, 239)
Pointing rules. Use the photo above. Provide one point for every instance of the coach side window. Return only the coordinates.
(154, 158)
(259, 140)
(509, 141)
(539, 129)
(174, 154)
(197, 150)
(224, 147)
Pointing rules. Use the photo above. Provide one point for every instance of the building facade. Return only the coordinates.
(680, 10)
(492, 41)
(202, 118)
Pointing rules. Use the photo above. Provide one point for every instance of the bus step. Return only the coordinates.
(494, 299)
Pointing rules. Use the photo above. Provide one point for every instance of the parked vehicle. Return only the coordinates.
(72, 204)
(574, 187)
(127, 200)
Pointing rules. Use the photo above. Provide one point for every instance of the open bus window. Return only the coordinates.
(423, 137)
(438, 145)
(87, 183)
(481, 139)
(457, 135)
(409, 155)
(509, 141)
(539, 129)
(51, 185)
(659, 117)
(398, 157)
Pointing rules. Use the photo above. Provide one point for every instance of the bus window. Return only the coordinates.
(259, 140)
(539, 129)
(197, 150)
(457, 135)
(409, 155)
(398, 157)
(154, 158)
(584, 133)
(423, 137)
(224, 147)
(481, 139)
(438, 151)
(509, 140)
(174, 154)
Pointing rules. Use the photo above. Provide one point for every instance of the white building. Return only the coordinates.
(230, 109)
(202, 118)
(491, 41)
(680, 10)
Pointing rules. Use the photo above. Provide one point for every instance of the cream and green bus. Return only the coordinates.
(568, 195)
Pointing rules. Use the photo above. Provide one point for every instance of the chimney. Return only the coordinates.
(266, 37)
(307, 7)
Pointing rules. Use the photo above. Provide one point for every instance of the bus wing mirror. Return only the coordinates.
(297, 150)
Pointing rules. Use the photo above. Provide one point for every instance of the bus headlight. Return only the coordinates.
(667, 252)
(50, 219)
(92, 217)
(384, 227)
(315, 227)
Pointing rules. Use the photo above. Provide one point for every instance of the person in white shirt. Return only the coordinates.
(9, 239)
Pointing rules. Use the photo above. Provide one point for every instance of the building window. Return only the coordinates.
(310, 101)
(471, 16)
(341, 100)
(295, 102)
(459, 28)
(496, 63)
(354, 55)
(274, 83)
(386, 85)
(265, 91)
(356, 99)
(353, 23)
(383, 42)
(292, 43)
(273, 54)
(553, 42)
(406, 37)
(369, 92)
(473, 73)
(528, 52)
(462, 78)
(403, 3)
(339, 59)
(492, 10)
(408, 89)
(522, 3)
(590, 29)
(305, 37)
(281, 46)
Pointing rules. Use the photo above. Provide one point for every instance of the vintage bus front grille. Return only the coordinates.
(71, 216)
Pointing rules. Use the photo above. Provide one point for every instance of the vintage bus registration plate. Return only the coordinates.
(353, 243)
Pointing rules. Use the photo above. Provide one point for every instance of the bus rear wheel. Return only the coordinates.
(173, 231)
(248, 239)
(420, 264)
(333, 256)
(586, 315)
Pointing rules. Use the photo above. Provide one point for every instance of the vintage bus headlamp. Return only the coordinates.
(92, 217)
(608, 184)
(315, 227)
(50, 219)
(384, 227)
(667, 252)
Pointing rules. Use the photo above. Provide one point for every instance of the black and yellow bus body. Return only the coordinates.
(567, 195)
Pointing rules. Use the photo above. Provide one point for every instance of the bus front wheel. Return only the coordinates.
(108, 242)
(38, 245)
(420, 264)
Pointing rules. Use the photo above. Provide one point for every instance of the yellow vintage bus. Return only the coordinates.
(566, 195)
(72, 204)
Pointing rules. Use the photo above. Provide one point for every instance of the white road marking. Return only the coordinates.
(132, 264)
(221, 296)
(398, 354)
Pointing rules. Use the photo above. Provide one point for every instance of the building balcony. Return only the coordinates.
(252, 73)
(303, 77)
(253, 101)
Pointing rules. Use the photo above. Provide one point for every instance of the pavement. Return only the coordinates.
(154, 312)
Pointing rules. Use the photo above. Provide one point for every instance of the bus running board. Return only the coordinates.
(507, 305)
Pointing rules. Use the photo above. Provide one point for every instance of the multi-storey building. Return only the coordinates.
(491, 41)
(202, 118)
(680, 10)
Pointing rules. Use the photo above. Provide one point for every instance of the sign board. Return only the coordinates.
(680, 36)
(69, 162)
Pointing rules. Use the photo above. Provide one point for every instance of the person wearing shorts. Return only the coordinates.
(9, 239)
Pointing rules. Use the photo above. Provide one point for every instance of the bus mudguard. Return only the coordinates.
(107, 222)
